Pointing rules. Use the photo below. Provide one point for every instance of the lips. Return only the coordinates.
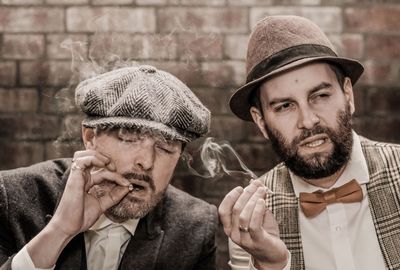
(314, 141)
(137, 185)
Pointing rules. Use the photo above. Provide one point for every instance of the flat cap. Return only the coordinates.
(143, 97)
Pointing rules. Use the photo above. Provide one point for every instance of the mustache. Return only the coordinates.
(142, 177)
(311, 132)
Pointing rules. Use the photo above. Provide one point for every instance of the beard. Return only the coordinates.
(131, 207)
(318, 165)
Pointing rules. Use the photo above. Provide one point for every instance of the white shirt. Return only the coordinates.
(343, 236)
(22, 260)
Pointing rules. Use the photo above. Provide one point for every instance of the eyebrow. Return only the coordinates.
(316, 88)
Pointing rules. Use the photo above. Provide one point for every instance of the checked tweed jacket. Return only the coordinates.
(383, 160)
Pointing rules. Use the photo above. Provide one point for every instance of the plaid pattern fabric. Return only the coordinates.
(383, 161)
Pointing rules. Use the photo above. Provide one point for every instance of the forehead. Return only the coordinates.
(297, 81)
(136, 132)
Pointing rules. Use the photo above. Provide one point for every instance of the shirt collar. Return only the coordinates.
(103, 222)
(356, 168)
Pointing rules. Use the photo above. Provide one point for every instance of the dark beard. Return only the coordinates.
(129, 208)
(317, 165)
(133, 208)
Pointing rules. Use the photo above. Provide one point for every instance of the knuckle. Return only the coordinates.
(242, 219)
(237, 210)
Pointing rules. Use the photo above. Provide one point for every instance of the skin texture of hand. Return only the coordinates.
(78, 209)
(246, 208)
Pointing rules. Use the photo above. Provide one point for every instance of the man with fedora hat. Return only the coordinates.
(111, 206)
(333, 202)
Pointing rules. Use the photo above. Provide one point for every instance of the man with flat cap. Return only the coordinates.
(333, 202)
(111, 206)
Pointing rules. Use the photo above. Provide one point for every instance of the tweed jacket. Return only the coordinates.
(178, 234)
(383, 161)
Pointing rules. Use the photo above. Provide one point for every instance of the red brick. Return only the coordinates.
(373, 19)
(156, 2)
(250, 3)
(111, 2)
(377, 73)
(18, 100)
(187, 72)
(135, 47)
(29, 127)
(257, 156)
(71, 128)
(203, 2)
(62, 149)
(384, 129)
(209, 20)
(349, 45)
(58, 100)
(105, 19)
(216, 100)
(67, 2)
(200, 46)
(23, 46)
(383, 102)
(383, 47)
(223, 74)
(328, 18)
(235, 46)
(17, 154)
(360, 100)
(227, 127)
(51, 73)
(31, 19)
(8, 73)
(22, 2)
(64, 46)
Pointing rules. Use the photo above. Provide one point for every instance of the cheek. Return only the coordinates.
(285, 126)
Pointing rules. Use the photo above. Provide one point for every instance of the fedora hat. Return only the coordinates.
(280, 43)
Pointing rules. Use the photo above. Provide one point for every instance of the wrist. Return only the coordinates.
(276, 265)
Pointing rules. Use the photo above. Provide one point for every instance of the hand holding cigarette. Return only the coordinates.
(249, 224)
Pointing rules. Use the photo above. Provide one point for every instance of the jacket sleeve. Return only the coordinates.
(207, 260)
(7, 248)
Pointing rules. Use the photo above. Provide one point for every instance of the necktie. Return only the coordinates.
(314, 203)
(107, 248)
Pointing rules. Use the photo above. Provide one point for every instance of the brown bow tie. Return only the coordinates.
(314, 203)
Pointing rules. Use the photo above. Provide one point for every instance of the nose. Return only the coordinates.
(307, 118)
(144, 156)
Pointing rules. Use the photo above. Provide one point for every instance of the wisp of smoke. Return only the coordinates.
(213, 159)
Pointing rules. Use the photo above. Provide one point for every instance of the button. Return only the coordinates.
(147, 69)
(338, 228)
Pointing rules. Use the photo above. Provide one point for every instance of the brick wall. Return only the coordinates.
(45, 46)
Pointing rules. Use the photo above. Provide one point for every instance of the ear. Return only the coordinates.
(348, 92)
(88, 137)
(259, 120)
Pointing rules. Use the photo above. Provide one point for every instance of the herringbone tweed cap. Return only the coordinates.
(143, 97)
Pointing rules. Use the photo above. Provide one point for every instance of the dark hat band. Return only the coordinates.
(287, 56)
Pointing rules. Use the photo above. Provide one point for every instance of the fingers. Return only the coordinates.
(225, 208)
(113, 197)
(232, 205)
(257, 218)
(104, 175)
(102, 159)
(248, 211)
